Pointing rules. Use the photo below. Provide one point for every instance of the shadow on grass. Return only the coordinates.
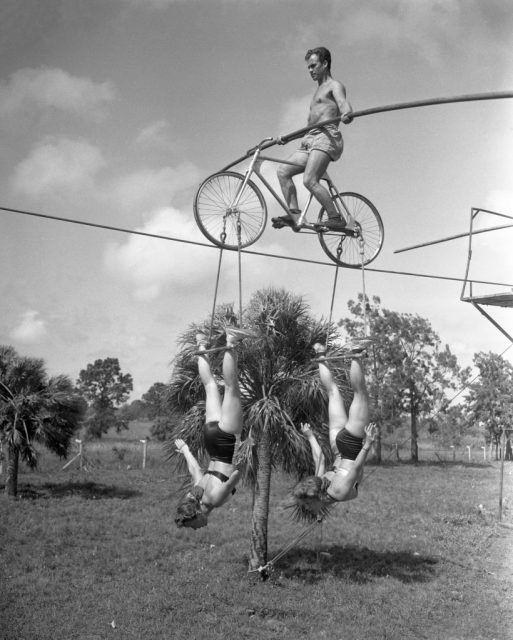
(357, 564)
(85, 490)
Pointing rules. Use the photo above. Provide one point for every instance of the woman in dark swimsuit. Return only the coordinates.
(351, 437)
(223, 423)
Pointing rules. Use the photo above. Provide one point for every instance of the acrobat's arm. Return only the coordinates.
(192, 463)
(371, 431)
(346, 110)
(317, 454)
(229, 485)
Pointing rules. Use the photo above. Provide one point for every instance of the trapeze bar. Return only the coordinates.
(459, 235)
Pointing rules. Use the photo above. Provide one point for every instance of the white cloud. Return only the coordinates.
(424, 27)
(30, 329)
(156, 134)
(56, 89)
(57, 163)
(150, 265)
(150, 188)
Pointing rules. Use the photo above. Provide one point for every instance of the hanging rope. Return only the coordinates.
(362, 257)
(223, 239)
(339, 252)
(239, 252)
(264, 569)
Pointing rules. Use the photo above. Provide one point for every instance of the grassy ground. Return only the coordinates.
(95, 554)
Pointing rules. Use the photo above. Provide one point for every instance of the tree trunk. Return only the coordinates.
(11, 482)
(413, 412)
(258, 549)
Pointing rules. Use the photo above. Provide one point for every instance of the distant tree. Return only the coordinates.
(490, 395)
(410, 372)
(155, 400)
(135, 410)
(163, 427)
(34, 408)
(105, 388)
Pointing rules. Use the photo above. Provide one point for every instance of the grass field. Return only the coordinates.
(95, 555)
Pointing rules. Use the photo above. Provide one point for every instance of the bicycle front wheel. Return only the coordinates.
(220, 204)
(358, 249)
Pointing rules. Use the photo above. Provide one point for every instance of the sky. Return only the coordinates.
(113, 112)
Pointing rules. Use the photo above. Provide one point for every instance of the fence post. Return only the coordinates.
(144, 443)
(503, 446)
(453, 453)
(484, 453)
(469, 454)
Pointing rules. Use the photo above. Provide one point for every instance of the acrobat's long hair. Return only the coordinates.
(311, 500)
(188, 508)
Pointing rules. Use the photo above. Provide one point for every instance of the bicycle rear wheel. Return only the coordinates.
(218, 219)
(362, 248)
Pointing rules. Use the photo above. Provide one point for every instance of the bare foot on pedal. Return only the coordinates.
(288, 220)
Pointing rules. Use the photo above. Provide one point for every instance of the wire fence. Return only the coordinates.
(126, 455)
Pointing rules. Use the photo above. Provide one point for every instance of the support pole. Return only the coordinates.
(501, 485)
(144, 443)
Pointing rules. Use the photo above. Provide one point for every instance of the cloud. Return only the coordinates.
(47, 88)
(156, 134)
(149, 265)
(424, 27)
(30, 329)
(57, 163)
(151, 188)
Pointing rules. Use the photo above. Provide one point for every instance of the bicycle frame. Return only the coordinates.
(254, 168)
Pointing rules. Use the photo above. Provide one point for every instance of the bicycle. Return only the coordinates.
(231, 212)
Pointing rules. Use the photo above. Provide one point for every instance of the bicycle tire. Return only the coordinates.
(214, 216)
(345, 250)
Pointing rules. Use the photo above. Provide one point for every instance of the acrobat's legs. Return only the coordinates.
(286, 172)
(316, 166)
(231, 411)
(359, 409)
(213, 397)
(337, 416)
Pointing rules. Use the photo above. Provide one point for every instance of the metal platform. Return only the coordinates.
(495, 300)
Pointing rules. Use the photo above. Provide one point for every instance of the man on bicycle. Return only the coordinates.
(320, 146)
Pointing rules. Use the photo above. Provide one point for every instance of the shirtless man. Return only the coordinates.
(319, 146)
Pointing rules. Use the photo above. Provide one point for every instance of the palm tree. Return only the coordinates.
(34, 408)
(280, 389)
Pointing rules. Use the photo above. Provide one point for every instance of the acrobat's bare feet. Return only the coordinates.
(201, 341)
(234, 336)
(320, 352)
(288, 220)
(358, 347)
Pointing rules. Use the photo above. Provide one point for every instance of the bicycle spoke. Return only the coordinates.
(219, 206)
(369, 239)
